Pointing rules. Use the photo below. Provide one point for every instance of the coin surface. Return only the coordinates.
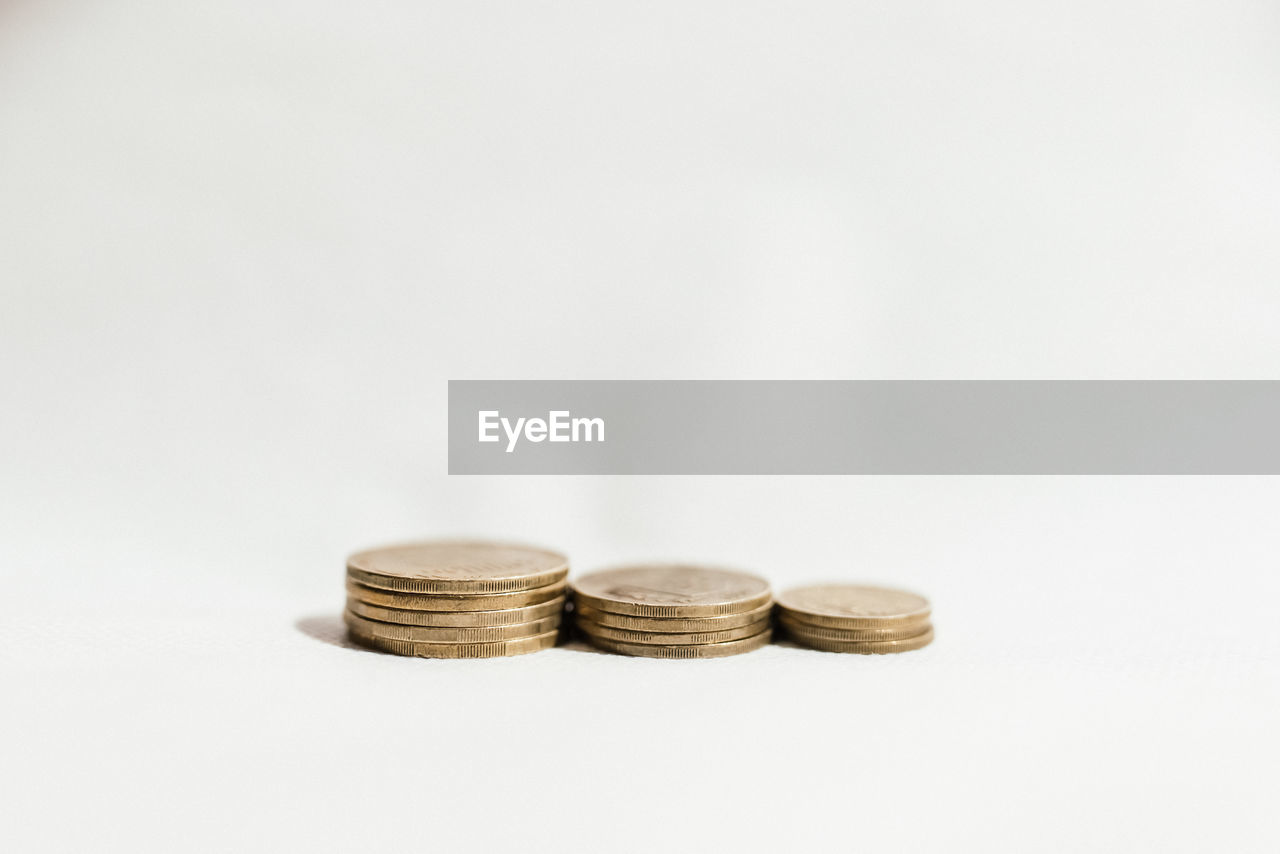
(863, 647)
(433, 634)
(850, 606)
(457, 567)
(426, 602)
(457, 619)
(706, 650)
(673, 624)
(495, 649)
(671, 638)
(891, 633)
(671, 590)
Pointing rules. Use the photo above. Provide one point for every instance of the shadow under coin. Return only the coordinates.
(327, 628)
(578, 645)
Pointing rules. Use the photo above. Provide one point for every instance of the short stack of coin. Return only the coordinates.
(851, 618)
(456, 599)
(673, 611)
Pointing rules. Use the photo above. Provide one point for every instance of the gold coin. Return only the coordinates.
(457, 619)
(671, 590)
(457, 568)
(849, 635)
(706, 650)
(430, 634)
(671, 638)
(673, 624)
(849, 606)
(427, 602)
(495, 649)
(864, 647)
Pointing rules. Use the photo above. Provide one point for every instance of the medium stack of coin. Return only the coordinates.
(672, 611)
(456, 599)
(850, 618)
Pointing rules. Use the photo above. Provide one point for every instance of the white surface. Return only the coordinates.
(245, 245)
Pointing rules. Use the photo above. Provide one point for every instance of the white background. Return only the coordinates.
(243, 246)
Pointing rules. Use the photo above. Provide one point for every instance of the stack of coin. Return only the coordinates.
(671, 611)
(850, 618)
(456, 599)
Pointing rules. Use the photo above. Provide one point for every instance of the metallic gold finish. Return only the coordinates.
(848, 606)
(426, 602)
(670, 638)
(457, 650)
(457, 619)
(849, 635)
(672, 624)
(708, 650)
(429, 634)
(457, 568)
(864, 647)
(671, 591)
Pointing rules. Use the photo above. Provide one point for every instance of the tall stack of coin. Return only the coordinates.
(851, 618)
(456, 599)
(672, 611)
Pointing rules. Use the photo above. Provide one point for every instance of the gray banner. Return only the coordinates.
(864, 427)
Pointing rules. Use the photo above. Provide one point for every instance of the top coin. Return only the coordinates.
(457, 568)
(671, 591)
(853, 606)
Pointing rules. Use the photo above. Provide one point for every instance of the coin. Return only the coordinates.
(671, 638)
(455, 567)
(707, 650)
(848, 606)
(671, 590)
(673, 624)
(430, 634)
(457, 619)
(849, 635)
(457, 650)
(864, 647)
(424, 602)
